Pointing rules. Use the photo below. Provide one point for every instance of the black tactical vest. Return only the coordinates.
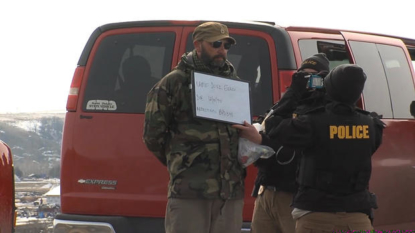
(334, 174)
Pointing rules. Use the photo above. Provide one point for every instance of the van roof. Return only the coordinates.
(152, 23)
(265, 26)
(239, 24)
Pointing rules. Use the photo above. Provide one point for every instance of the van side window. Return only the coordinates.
(125, 67)
(251, 59)
(411, 51)
(376, 92)
(398, 74)
(389, 88)
(335, 50)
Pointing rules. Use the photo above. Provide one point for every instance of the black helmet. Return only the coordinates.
(345, 83)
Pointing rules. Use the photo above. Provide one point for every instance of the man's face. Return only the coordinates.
(214, 54)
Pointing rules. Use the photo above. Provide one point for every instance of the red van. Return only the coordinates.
(110, 182)
(7, 206)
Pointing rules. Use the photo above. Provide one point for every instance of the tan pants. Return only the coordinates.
(272, 212)
(333, 222)
(203, 216)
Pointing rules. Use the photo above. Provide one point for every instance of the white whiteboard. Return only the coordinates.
(221, 99)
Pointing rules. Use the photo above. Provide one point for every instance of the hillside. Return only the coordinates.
(35, 141)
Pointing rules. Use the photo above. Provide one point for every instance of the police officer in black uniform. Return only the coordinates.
(275, 183)
(337, 143)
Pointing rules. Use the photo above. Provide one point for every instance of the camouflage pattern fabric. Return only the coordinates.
(200, 155)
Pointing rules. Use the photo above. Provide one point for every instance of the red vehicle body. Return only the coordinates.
(7, 206)
(111, 182)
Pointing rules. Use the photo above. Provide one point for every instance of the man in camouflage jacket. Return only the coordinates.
(206, 187)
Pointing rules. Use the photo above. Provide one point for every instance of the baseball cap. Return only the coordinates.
(212, 31)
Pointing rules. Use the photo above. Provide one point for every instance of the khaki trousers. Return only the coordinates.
(272, 212)
(203, 216)
(333, 222)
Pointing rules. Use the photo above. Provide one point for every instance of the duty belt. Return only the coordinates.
(269, 187)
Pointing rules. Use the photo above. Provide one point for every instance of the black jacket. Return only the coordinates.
(337, 142)
(280, 169)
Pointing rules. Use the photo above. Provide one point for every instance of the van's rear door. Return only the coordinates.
(389, 90)
(107, 169)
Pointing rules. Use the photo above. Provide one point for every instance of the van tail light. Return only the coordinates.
(285, 80)
(73, 96)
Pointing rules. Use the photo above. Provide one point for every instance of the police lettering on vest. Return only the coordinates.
(349, 132)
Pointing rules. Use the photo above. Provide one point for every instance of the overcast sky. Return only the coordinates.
(41, 41)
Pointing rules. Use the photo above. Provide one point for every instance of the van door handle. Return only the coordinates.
(85, 117)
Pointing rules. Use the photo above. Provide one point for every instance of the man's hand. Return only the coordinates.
(249, 132)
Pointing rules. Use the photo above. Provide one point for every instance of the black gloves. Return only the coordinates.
(300, 79)
(299, 82)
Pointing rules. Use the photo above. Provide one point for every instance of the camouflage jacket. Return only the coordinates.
(200, 154)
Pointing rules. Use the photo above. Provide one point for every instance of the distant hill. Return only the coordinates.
(35, 141)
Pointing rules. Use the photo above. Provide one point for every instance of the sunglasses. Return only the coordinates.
(218, 43)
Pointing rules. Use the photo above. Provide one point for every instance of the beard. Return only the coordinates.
(212, 62)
